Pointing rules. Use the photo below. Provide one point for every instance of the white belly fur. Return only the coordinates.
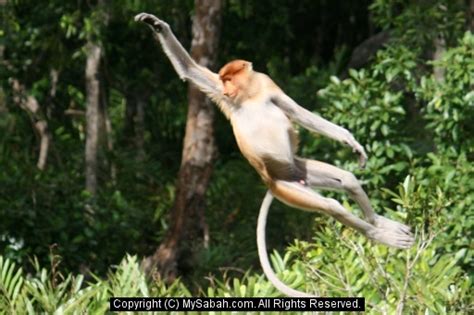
(262, 130)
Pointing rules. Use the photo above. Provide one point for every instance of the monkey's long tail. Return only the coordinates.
(262, 251)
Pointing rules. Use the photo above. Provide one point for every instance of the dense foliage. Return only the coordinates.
(412, 109)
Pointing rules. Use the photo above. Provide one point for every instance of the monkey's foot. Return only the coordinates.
(392, 233)
(391, 225)
(155, 23)
(391, 238)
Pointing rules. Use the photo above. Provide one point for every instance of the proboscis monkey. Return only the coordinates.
(261, 115)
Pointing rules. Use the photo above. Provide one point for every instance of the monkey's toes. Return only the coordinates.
(388, 224)
(392, 238)
(404, 242)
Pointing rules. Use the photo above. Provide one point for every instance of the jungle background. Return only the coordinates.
(97, 184)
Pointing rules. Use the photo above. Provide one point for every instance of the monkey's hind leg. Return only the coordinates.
(300, 196)
(326, 176)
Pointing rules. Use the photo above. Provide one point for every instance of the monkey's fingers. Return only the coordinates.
(362, 159)
(155, 23)
(362, 155)
(357, 148)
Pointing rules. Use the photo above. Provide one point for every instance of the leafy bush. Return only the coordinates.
(447, 191)
(338, 263)
(371, 105)
(450, 102)
(51, 292)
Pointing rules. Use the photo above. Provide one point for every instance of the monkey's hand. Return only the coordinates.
(152, 21)
(356, 147)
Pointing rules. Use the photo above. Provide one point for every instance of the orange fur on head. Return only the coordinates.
(233, 67)
(234, 76)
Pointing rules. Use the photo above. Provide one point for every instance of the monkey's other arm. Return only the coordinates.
(318, 124)
(187, 69)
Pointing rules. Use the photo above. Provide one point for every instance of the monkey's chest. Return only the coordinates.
(263, 132)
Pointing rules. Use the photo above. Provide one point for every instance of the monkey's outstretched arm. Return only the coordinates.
(318, 124)
(187, 69)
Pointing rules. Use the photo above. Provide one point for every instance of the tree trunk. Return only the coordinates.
(134, 125)
(38, 119)
(92, 115)
(139, 130)
(187, 215)
(439, 44)
(366, 50)
(470, 15)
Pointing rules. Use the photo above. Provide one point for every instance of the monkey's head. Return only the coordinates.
(235, 76)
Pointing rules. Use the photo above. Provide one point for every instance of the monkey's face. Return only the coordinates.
(231, 89)
(234, 76)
